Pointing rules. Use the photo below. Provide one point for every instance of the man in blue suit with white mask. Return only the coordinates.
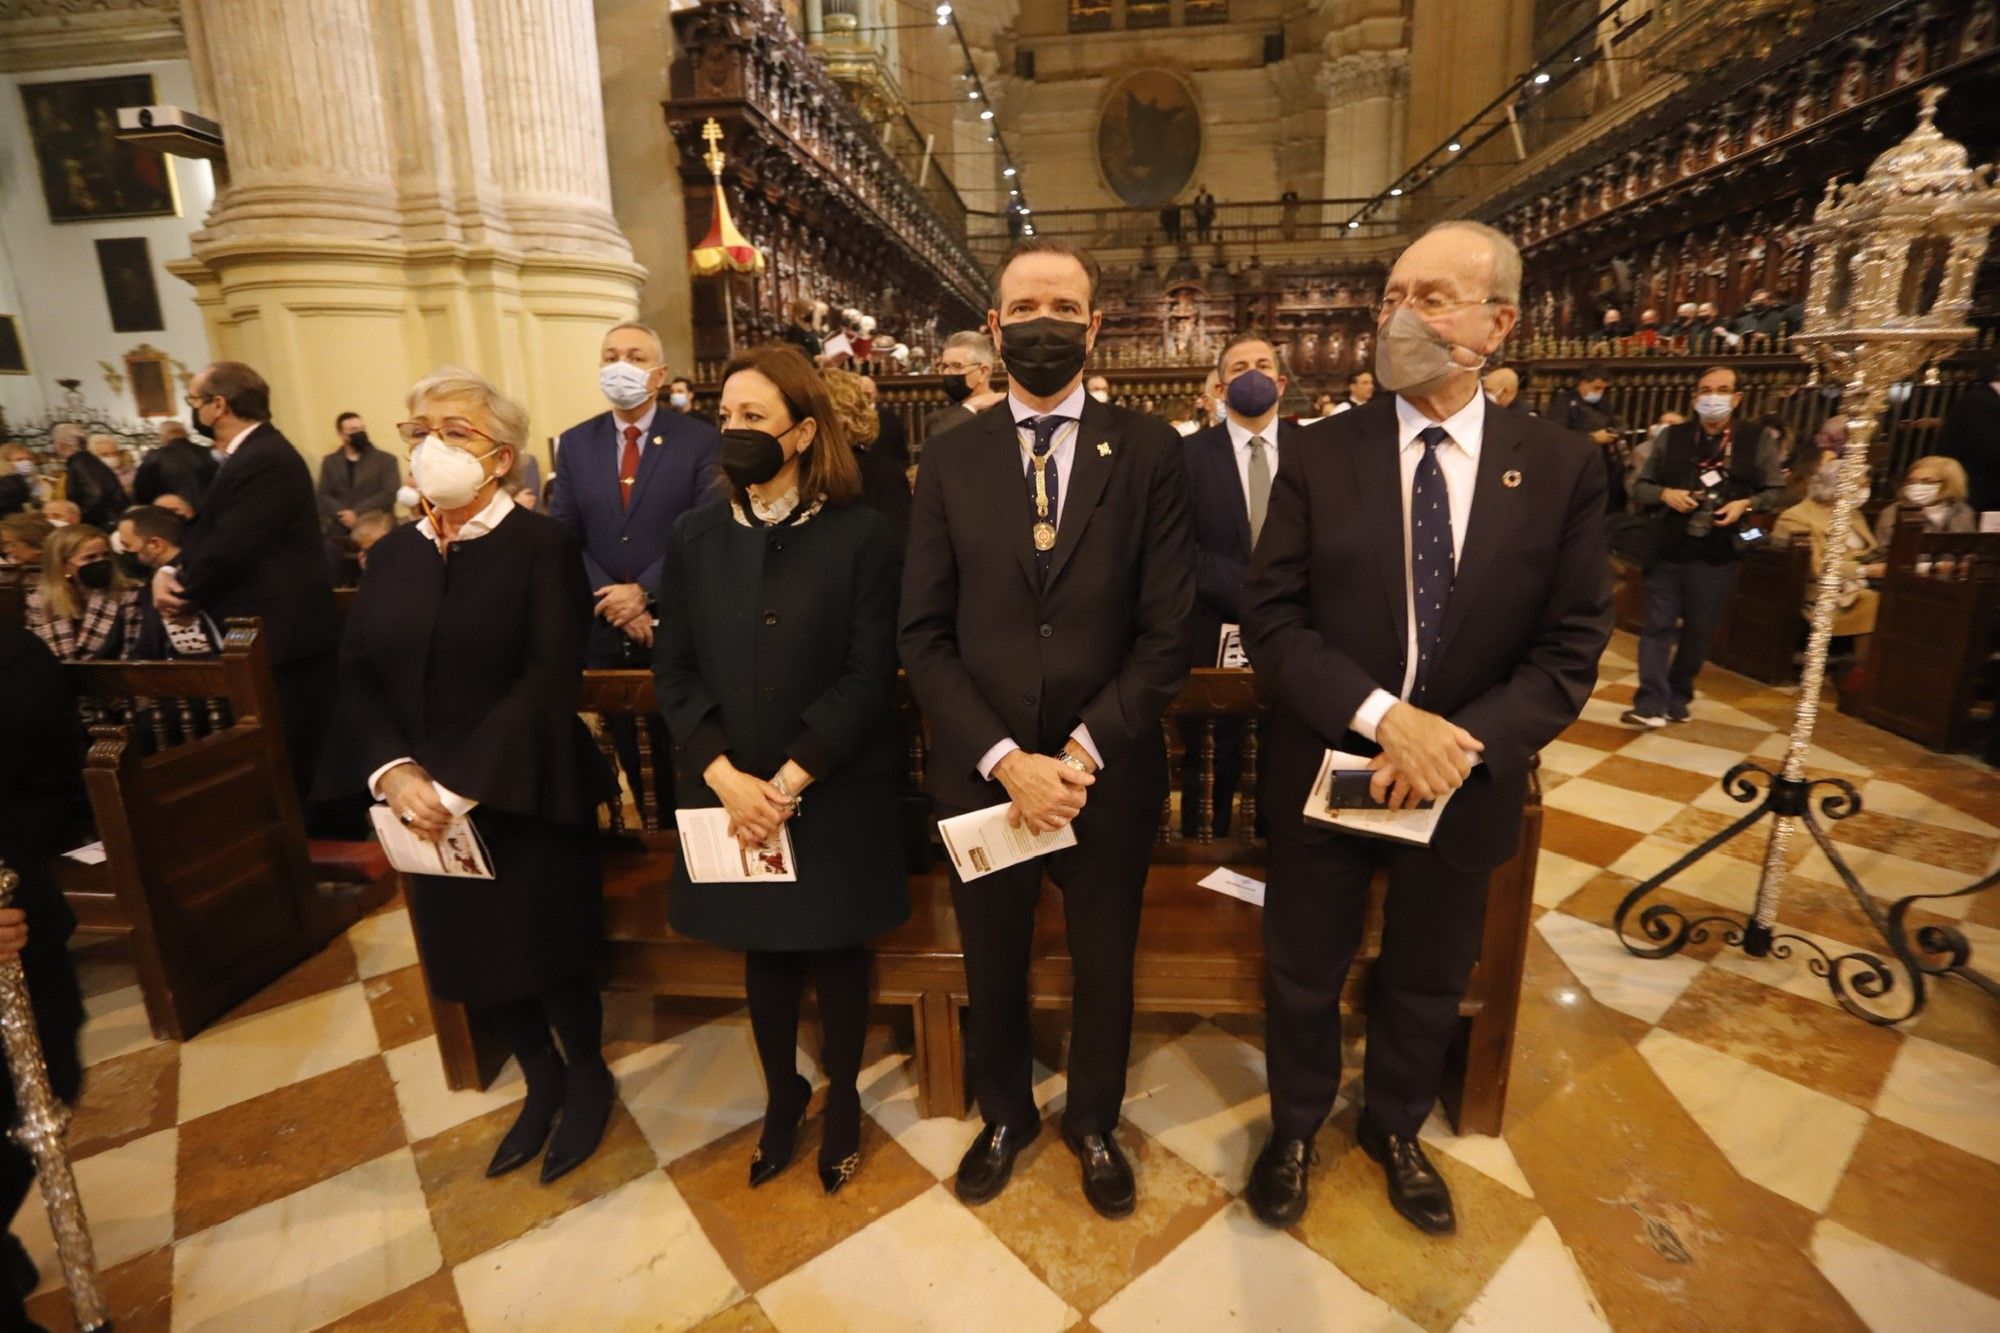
(622, 478)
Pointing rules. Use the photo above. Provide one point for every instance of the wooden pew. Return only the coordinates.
(206, 869)
(1935, 637)
(1765, 623)
(1199, 951)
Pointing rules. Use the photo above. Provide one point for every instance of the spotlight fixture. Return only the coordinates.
(1352, 224)
(1543, 77)
(1396, 192)
(1453, 146)
(1008, 172)
(944, 10)
(986, 113)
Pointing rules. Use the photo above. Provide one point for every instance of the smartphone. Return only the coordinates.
(1353, 789)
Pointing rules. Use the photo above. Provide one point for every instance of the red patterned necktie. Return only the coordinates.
(628, 466)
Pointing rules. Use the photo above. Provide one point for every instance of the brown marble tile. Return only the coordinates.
(1985, 909)
(1830, 910)
(1600, 735)
(1430, 1279)
(399, 1006)
(1618, 692)
(1729, 688)
(764, 1233)
(1597, 901)
(267, 1147)
(139, 1292)
(1721, 735)
(430, 1306)
(103, 963)
(1673, 784)
(126, 1098)
(746, 1316)
(1581, 838)
(1961, 1016)
(1925, 1199)
(1552, 780)
(1969, 791)
(1796, 1038)
(331, 967)
(1666, 1232)
(473, 1214)
(1244, 1027)
(1043, 1217)
(1694, 826)
(1945, 848)
(1633, 1029)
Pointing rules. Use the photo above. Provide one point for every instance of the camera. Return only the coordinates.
(1701, 519)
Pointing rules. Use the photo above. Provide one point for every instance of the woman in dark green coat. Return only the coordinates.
(775, 667)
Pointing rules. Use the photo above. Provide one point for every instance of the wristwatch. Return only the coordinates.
(1063, 756)
(784, 790)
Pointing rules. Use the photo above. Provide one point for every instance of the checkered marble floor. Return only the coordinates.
(1702, 1142)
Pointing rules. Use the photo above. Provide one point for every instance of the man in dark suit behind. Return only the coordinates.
(1971, 434)
(254, 549)
(622, 478)
(90, 483)
(1431, 589)
(965, 371)
(1229, 469)
(178, 466)
(1049, 572)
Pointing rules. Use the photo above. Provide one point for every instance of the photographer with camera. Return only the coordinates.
(1586, 409)
(1700, 480)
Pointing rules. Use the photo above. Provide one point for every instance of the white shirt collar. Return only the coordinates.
(645, 423)
(481, 523)
(227, 449)
(1239, 434)
(1465, 426)
(1071, 407)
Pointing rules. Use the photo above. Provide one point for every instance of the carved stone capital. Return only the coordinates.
(1364, 74)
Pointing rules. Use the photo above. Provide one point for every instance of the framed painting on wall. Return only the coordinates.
(1148, 137)
(87, 174)
(152, 386)
(13, 357)
(127, 267)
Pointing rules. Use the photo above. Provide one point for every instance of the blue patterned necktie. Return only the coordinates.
(1045, 429)
(1432, 564)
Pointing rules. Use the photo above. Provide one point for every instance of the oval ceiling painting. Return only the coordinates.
(1148, 137)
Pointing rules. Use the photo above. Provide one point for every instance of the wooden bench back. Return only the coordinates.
(1765, 620)
(1934, 635)
(206, 863)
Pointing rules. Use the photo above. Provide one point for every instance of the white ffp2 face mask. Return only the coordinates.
(1714, 407)
(624, 384)
(448, 477)
(1922, 494)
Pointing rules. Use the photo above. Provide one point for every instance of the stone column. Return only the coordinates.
(1366, 95)
(410, 185)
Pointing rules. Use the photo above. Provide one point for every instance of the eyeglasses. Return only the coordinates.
(457, 434)
(1431, 305)
(195, 400)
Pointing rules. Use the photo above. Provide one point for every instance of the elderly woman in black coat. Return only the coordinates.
(775, 664)
(461, 672)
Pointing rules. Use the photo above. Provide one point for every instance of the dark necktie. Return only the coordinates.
(1432, 565)
(1045, 429)
(628, 466)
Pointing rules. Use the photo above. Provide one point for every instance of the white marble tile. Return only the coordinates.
(383, 943)
(696, 1087)
(114, 1024)
(1606, 711)
(428, 1106)
(255, 1055)
(1660, 748)
(1539, 1287)
(1485, 1153)
(1793, 976)
(309, 1258)
(1892, 798)
(1558, 876)
(1777, 743)
(1887, 875)
(1612, 805)
(1712, 710)
(1203, 1096)
(937, 1143)
(128, 1195)
(1236, 1275)
(928, 1265)
(644, 1264)
(1642, 987)
(1945, 1093)
(1571, 758)
(1782, 1135)
(1894, 1293)
(1717, 878)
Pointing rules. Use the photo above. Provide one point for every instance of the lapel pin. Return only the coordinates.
(1103, 449)
(656, 439)
(1510, 480)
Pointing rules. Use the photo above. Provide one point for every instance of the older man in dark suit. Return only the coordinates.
(178, 466)
(1431, 589)
(1049, 573)
(622, 478)
(254, 549)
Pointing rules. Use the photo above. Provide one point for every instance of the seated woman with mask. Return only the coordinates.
(83, 607)
(1853, 548)
(1935, 487)
(775, 665)
(461, 671)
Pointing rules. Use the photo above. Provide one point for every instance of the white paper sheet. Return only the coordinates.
(460, 854)
(1229, 648)
(91, 853)
(1403, 825)
(1224, 880)
(983, 842)
(712, 856)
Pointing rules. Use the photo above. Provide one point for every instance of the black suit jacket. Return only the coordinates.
(1530, 611)
(1971, 434)
(178, 467)
(96, 490)
(885, 488)
(892, 441)
(993, 653)
(254, 548)
(1221, 534)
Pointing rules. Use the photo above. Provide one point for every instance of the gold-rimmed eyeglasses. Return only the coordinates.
(1431, 305)
(458, 434)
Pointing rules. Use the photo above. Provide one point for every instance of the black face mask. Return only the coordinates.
(359, 442)
(1044, 354)
(132, 566)
(751, 457)
(96, 575)
(957, 388)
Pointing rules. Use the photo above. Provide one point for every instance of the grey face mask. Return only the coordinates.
(1410, 357)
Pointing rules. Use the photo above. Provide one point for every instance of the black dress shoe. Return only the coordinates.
(586, 1111)
(522, 1143)
(1277, 1189)
(984, 1170)
(1416, 1190)
(1107, 1176)
(780, 1137)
